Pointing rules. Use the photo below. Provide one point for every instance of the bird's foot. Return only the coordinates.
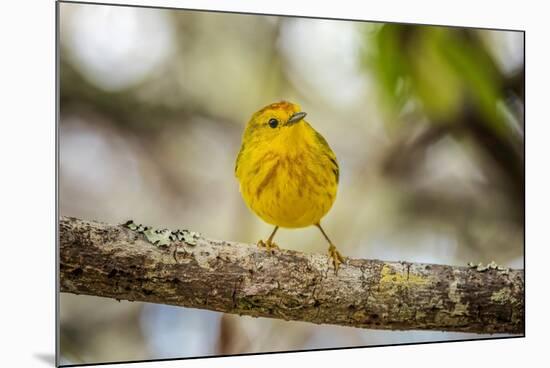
(336, 257)
(267, 245)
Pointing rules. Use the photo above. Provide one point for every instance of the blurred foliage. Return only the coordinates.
(442, 68)
(454, 82)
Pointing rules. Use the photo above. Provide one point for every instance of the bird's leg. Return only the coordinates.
(269, 244)
(332, 251)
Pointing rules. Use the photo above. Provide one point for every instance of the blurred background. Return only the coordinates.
(426, 122)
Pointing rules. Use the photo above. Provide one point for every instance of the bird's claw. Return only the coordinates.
(267, 245)
(336, 257)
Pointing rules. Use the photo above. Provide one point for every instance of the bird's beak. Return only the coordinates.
(295, 118)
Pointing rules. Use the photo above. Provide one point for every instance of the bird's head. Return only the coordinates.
(275, 120)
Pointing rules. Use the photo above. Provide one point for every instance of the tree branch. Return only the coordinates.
(116, 262)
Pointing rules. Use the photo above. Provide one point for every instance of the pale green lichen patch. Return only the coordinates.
(158, 237)
(189, 237)
(130, 224)
(490, 266)
(163, 237)
(460, 308)
(502, 296)
(419, 315)
(389, 276)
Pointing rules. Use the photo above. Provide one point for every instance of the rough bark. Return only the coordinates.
(116, 262)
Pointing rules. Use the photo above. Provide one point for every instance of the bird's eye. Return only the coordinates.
(273, 123)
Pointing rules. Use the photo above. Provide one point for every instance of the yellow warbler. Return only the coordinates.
(287, 172)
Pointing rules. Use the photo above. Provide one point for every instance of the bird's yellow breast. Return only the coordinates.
(290, 180)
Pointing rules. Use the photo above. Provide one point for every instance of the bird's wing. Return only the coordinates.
(238, 159)
(329, 153)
